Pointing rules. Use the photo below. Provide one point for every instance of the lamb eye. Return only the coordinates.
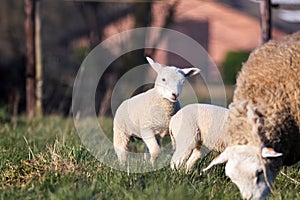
(163, 79)
(258, 173)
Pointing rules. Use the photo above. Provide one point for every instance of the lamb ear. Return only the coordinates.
(188, 72)
(269, 153)
(255, 118)
(155, 65)
(223, 157)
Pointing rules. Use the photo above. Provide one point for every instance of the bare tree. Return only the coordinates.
(90, 14)
(142, 17)
(142, 13)
(97, 15)
(30, 58)
(38, 60)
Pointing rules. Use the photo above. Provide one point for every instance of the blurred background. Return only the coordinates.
(44, 42)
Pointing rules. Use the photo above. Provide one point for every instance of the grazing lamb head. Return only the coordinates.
(170, 79)
(247, 168)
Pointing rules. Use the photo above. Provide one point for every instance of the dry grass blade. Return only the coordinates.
(291, 179)
(30, 150)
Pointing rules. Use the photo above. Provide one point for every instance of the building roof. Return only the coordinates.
(228, 29)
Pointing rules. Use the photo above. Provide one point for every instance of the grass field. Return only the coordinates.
(44, 159)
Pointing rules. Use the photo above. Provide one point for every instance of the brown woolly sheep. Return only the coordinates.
(264, 118)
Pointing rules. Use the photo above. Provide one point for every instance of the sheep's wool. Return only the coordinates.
(269, 85)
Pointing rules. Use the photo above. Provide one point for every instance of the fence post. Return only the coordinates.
(265, 20)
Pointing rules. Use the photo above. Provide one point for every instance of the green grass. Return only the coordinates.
(44, 159)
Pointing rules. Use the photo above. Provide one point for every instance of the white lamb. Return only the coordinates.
(264, 118)
(147, 115)
(195, 130)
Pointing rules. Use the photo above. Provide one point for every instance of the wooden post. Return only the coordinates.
(265, 17)
(38, 60)
(30, 58)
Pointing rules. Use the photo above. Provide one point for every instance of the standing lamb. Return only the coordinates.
(264, 118)
(147, 115)
(195, 130)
